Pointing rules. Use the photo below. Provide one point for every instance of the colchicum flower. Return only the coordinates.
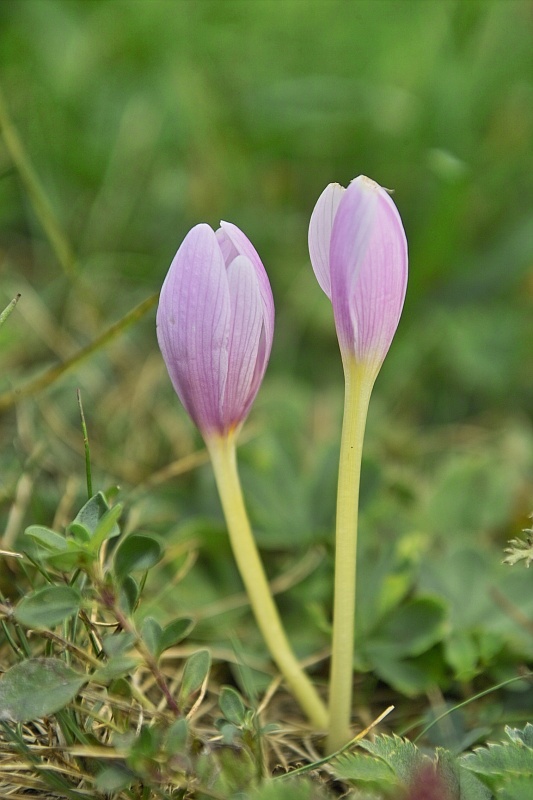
(215, 324)
(358, 251)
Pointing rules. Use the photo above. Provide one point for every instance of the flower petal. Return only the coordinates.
(243, 246)
(246, 327)
(380, 291)
(320, 227)
(368, 259)
(349, 241)
(193, 322)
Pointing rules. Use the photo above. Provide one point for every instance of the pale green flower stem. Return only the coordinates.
(223, 457)
(359, 380)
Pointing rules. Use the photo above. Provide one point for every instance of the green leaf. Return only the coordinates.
(47, 538)
(90, 515)
(137, 552)
(462, 477)
(37, 688)
(462, 654)
(461, 578)
(96, 522)
(107, 528)
(229, 733)
(524, 736)
(176, 631)
(116, 644)
(402, 756)
(411, 677)
(47, 607)
(364, 769)
(408, 630)
(227, 771)
(382, 585)
(79, 533)
(111, 492)
(144, 748)
(448, 771)
(120, 687)
(74, 556)
(112, 779)
(129, 594)
(177, 736)
(501, 760)
(238, 768)
(489, 644)
(472, 788)
(232, 705)
(151, 634)
(516, 789)
(194, 674)
(279, 499)
(158, 639)
(116, 667)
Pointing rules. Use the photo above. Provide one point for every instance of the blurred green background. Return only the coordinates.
(142, 119)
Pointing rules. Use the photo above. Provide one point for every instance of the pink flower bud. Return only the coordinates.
(215, 324)
(358, 251)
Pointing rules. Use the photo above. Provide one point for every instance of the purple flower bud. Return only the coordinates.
(358, 251)
(215, 324)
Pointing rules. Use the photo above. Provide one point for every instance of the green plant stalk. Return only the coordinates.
(39, 200)
(11, 397)
(9, 308)
(109, 601)
(88, 471)
(467, 702)
(359, 380)
(223, 457)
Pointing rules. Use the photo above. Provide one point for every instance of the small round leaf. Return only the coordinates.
(194, 674)
(47, 538)
(175, 632)
(151, 634)
(47, 607)
(37, 688)
(137, 552)
(232, 705)
(129, 594)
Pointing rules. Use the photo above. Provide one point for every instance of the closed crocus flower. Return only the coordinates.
(358, 251)
(215, 324)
